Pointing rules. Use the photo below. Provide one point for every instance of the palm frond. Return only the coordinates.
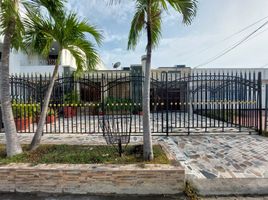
(137, 25)
(38, 33)
(9, 14)
(55, 8)
(78, 56)
(156, 23)
(186, 7)
(92, 30)
(86, 48)
(114, 2)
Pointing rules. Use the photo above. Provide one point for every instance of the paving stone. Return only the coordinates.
(239, 156)
(208, 174)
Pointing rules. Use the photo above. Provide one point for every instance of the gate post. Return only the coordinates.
(260, 102)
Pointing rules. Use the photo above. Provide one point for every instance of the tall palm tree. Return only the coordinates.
(148, 15)
(69, 32)
(12, 29)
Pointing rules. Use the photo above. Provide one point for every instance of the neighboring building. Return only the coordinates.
(22, 63)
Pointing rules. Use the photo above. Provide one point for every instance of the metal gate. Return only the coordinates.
(205, 102)
(181, 103)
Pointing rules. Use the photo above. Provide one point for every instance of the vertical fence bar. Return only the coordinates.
(1, 121)
(102, 101)
(209, 98)
(223, 101)
(206, 100)
(254, 92)
(239, 100)
(188, 103)
(260, 102)
(197, 100)
(167, 111)
(202, 99)
(266, 108)
(39, 93)
(59, 102)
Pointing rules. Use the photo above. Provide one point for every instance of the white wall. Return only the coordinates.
(33, 63)
(45, 69)
(67, 59)
(23, 63)
(14, 62)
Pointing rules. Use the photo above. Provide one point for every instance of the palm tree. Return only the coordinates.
(148, 15)
(12, 28)
(70, 34)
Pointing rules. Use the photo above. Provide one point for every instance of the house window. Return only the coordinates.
(52, 59)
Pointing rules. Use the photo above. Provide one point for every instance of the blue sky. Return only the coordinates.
(190, 45)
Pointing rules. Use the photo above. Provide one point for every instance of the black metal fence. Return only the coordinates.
(181, 103)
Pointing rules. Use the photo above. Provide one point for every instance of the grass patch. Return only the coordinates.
(67, 154)
(190, 192)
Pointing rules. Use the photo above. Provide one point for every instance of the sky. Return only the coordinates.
(194, 45)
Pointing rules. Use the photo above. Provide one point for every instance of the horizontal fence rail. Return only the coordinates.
(181, 103)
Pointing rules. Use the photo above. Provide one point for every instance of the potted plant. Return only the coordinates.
(36, 110)
(70, 104)
(51, 116)
(22, 116)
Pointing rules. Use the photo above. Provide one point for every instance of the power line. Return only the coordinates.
(234, 46)
(247, 27)
(227, 38)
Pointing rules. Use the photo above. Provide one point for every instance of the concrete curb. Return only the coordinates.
(229, 186)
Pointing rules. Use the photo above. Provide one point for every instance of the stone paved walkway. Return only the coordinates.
(224, 156)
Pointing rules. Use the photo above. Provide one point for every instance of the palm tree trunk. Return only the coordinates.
(13, 146)
(38, 134)
(147, 136)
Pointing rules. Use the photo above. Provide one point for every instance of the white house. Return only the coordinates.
(21, 62)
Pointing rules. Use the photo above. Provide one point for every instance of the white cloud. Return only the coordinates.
(101, 9)
(215, 20)
(110, 37)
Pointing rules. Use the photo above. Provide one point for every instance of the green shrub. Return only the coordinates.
(51, 112)
(118, 104)
(71, 98)
(25, 110)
